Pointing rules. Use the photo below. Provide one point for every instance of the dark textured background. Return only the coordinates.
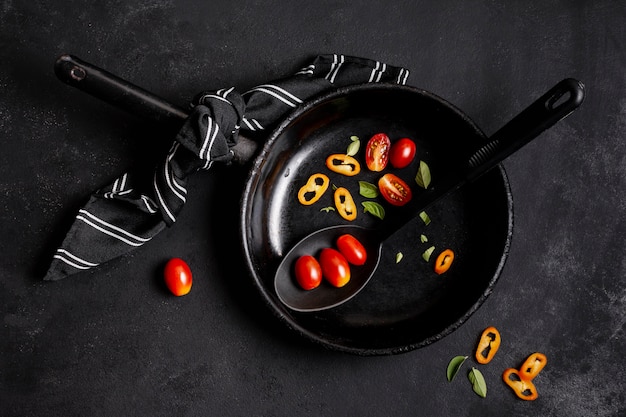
(113, 342)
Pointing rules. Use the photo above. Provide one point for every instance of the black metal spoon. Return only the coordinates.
(554, 105)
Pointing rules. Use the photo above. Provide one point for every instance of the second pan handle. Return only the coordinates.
(132, 98)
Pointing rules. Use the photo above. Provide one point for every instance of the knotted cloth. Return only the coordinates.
(135, 207)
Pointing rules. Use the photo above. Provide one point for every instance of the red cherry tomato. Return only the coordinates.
(177, 276)
(377, 152)
(402, 153)
(308, 272)
(335, 267)
(394, 190)
(351, 249)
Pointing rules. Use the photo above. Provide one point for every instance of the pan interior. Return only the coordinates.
(405, 305)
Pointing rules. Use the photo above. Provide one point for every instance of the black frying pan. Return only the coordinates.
(405, 305)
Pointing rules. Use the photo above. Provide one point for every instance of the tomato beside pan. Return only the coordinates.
(177, 275)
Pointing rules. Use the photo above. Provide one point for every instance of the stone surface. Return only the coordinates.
(113, 342)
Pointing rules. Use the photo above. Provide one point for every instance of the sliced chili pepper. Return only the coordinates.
(314, 188)
(488, 345)
(343, 164)
(444, 260)
(345, 204)
(523, 388)
(532, 366)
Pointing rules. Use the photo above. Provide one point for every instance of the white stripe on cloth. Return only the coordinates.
(252, 124)
(110, 229)
(209, 139)
(279, 93)
(215, 96)
(161, 200)
(73, 260)
(377, 72)
(338, 61)
(177, 189)
(306, 71)
(150, 205)
(118, 193)
(403, 75)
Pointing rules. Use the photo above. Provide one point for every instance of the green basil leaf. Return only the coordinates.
(423, 175)
(368, 190)
(354, 146)
(427, 253)
(399, 257)
(423, 239)
(454, 366)
(425, 218)
(327, 209)
(478, 382)
(374, 208)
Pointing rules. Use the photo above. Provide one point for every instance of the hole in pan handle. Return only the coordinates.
(132, 98)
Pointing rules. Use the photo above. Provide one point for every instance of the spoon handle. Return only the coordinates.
(556, 104)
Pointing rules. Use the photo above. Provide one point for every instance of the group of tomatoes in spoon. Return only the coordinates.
(332, 264)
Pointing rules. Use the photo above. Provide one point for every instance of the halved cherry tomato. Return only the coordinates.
(343, 164)
(345, 204)
(314, 188)
(402, 153)
(394, 190)
(308, 272)
(335, 267)
(351, 249)
(377, 152)
(444, 260)
(177, 276)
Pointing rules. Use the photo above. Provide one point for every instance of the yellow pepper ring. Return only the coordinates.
(345, 204)
(343, 164)
(314, 188)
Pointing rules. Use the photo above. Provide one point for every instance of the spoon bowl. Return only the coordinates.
(326, 296)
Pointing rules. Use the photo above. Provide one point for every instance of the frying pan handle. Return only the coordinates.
(559, 102)
(127, 96)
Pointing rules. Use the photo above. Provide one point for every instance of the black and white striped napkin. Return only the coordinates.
(136, 206)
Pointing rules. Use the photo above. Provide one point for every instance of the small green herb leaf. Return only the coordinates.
(374, 208)
(354, 138)
(423, 175)
(454, 366)
(368, 190)
(427, 253)
(354, 146)
(478, 382)
(327, 209)
(423, 239)
(399, 257)
(425, 218)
